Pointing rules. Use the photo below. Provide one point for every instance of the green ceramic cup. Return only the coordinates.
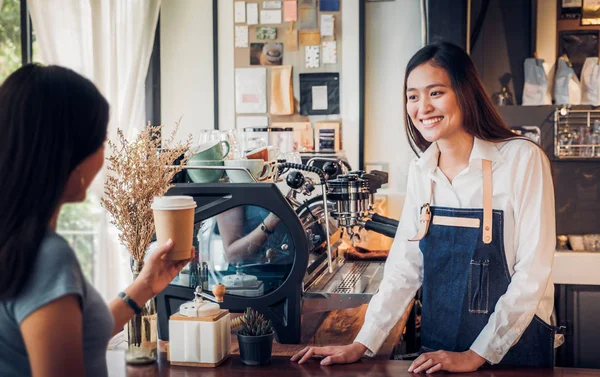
(211, 151)
(204, 175)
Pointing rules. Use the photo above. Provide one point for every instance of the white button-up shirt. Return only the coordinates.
(523, 190)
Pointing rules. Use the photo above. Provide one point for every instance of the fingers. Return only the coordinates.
(299, 354)
(181, 264)
(426, 365)
(436, 368)
(339, 358)
(418, 361)
(310, 353)
(314, 351)
(162, 251)
(307, 355)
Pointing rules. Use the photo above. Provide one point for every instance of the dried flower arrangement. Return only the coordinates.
(139, 171)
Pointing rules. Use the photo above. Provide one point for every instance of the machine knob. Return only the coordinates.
(219, 291)
(295, 179)
(330, 168)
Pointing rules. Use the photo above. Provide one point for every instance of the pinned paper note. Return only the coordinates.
(252, 14)
(312, 56)
(240, 12)
(327, 25)
(319, 97)
(271, 4)
(307, 18)
(310, 38)
(308, 3)
(250, 90)
(329, 52)
(290, 41)
(290, 11)
(270, 17)
(263, 33)
(241, 36)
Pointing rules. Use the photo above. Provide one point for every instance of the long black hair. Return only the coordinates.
(51, 119)
(480, 118)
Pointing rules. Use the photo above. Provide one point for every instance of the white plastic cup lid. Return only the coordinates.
(167, 203)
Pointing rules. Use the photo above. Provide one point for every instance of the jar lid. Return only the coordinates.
(256, 129)
(268, 129)
(175, 202)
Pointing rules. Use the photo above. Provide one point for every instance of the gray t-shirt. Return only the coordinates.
(55, 273)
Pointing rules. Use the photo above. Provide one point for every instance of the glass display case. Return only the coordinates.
(246, 248)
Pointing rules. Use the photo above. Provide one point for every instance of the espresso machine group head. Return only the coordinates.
(354, 195)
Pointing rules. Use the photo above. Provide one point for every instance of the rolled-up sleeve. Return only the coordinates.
(535, 238)
(402, 277)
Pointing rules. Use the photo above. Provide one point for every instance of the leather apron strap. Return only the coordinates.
(487, 201)
(425, 215)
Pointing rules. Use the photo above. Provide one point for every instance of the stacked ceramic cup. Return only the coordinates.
(260, 163)
(207, 155)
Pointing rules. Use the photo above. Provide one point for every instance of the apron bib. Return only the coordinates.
(465, 273)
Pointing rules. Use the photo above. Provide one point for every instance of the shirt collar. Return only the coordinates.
(482, 150)
(428, 161)
(485, 150)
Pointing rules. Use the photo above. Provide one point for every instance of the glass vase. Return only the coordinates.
(141, 330)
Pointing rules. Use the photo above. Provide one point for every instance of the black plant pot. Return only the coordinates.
(255, 350)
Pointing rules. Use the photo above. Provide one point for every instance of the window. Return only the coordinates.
(10, 37)
(78, 223)
(16, 37)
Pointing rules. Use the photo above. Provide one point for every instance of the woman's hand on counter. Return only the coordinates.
(432, 362)
(332, 354)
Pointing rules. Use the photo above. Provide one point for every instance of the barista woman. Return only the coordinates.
(477, 231)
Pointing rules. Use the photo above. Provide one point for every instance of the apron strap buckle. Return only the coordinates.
(424, 221)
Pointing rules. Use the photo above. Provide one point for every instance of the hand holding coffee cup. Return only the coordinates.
(174, 220)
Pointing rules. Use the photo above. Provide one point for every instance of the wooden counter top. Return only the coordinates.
(334, 328)
(282, 366)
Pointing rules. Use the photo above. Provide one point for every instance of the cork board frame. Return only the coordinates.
(294, 58)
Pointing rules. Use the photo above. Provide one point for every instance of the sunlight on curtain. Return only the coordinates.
(110, 42)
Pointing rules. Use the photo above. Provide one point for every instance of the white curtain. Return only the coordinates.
(109, 42)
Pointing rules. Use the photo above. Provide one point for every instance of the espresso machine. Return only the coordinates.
(276, 245)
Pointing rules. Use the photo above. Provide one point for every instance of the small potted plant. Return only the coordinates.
(255, 339)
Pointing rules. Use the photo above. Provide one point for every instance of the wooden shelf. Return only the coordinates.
(568, 24)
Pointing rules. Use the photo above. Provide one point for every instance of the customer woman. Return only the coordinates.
(52, 321)
(477, 231)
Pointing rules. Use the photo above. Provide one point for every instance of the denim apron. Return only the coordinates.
(465, 273)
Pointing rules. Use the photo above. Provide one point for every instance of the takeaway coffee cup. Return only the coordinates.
(174, 219)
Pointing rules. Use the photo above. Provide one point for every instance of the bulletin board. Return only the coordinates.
(315, 106)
